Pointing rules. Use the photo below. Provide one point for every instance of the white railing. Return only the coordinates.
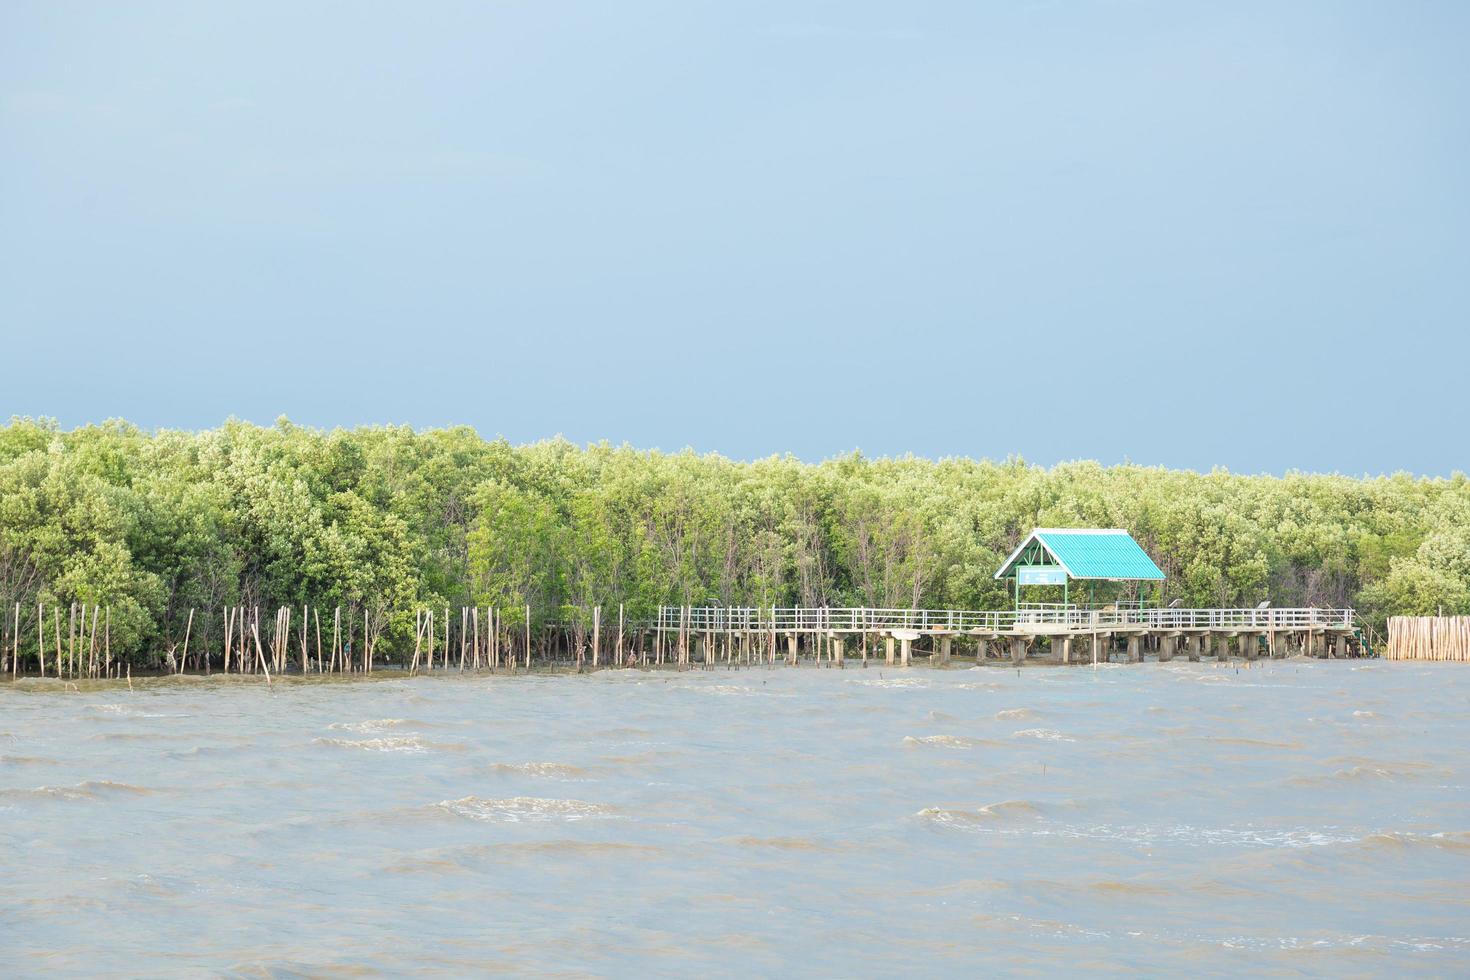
(800, 619)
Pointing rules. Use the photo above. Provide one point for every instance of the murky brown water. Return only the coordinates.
(1299, 817)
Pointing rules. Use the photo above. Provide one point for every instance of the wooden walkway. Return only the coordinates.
(1066, 634)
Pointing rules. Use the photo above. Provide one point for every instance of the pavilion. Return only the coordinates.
(1052, 556)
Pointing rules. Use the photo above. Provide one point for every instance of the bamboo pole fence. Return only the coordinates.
(1428, 638)
(241, 639)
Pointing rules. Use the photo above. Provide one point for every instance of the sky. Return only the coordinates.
(1185, 234)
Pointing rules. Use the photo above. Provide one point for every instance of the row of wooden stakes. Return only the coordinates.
(87, 650)
(300, 639)
(1428, 638)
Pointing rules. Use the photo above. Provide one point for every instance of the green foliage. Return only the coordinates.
(381, 520)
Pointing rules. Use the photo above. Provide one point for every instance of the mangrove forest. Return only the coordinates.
(174, 532)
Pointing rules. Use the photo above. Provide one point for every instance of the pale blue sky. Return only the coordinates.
(1188, 234)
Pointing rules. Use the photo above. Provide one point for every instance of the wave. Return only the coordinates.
(946, 741)
(990, 813)
(1048, 734)
(1390, 840)
(132, 737)
(579, 847)
(124, 711)
(739, 691)
(782, 843)
(520, 809)
(1357, 769)
(1240, 740)
(410, 744)
(1111, 886)
(892, 682)
(551, 770)
(1012, 713)
(91, 789)
(372, 727)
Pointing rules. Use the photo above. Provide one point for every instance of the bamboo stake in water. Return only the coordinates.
(184, 660)
(418, 639)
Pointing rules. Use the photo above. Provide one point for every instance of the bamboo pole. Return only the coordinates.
(92, 643)
(229, 625)
(418, 639)
(528, 637)
(189, 628)
(259, 653)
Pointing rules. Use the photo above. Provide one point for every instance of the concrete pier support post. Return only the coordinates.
(945, 645)
(1222, 647)
(1135, 648)
(982, 649)
(1249, 646)
(1066, 649)
(905, 648)
(791, 648)
(837, 643)
(1018, 649)
(888, 649)
(1166, 647)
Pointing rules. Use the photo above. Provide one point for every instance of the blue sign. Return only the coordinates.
(1040, 575)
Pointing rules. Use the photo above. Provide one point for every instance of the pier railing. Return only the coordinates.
(800, 619)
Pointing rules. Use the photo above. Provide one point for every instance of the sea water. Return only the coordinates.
(1298, 816)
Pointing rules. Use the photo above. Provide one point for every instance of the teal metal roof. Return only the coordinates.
(1091, 553)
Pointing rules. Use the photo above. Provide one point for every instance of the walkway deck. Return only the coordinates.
(1047, 621)
(1047, 631)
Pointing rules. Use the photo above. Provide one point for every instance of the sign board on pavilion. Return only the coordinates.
(1041, 575)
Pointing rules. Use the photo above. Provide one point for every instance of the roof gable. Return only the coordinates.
(1091, 553)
